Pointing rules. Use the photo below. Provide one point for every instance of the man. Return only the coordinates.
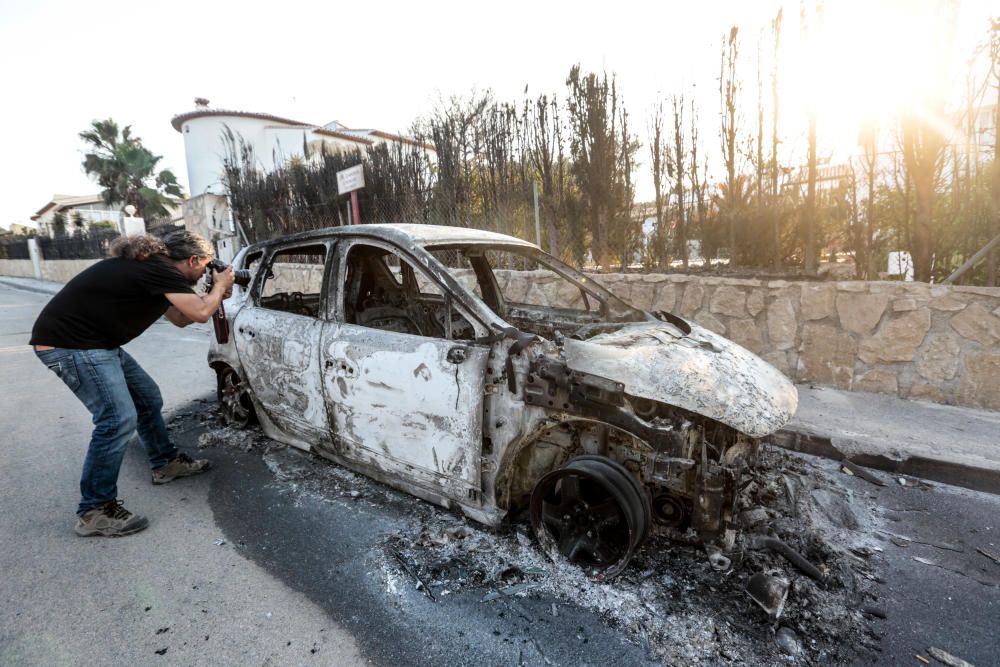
(79, 335)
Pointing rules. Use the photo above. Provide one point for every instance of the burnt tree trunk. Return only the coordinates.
(809, 212)
(678, 162)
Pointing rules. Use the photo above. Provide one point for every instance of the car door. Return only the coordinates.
(278, 334)
(403, 399)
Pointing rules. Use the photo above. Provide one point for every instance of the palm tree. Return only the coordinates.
(127, 170)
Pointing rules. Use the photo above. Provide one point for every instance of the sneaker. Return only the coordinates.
(182, 466)
(109, 520)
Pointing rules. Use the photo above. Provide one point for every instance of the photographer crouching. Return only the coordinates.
(78, 336)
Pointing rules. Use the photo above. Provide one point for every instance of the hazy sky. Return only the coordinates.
(373, 64)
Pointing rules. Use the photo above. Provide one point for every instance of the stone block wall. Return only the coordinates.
(913, 340)
(21, 268)
(56, 270)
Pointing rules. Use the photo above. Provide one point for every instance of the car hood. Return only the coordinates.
(700, 371)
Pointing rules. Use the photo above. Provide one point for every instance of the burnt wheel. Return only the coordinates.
(592, 513)
(234, 397)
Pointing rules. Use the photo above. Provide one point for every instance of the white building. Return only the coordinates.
(85, 209)
(18, 228)
(274, 140)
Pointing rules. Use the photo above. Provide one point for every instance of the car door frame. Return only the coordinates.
(304, 421)
(373, 454)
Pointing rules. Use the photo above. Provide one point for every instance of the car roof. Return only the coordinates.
(403, 234)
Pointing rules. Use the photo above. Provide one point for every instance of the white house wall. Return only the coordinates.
(91, 213)
(273, 144)
(206, 150)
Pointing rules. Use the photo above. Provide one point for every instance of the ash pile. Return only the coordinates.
(797, 587)
(794, 589)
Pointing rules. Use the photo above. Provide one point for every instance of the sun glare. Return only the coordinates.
(858, 63)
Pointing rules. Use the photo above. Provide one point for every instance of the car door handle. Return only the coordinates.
(456, 355)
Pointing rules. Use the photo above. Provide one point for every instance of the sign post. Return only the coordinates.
(351, 180)
(131, 225)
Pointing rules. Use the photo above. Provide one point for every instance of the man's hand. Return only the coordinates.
(225, 278)
(200, 309)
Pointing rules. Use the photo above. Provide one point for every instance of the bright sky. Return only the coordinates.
(381, 64)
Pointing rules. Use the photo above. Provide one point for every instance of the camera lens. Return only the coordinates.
(241, 277)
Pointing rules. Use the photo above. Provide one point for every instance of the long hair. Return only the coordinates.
(139, 246)
(176, 245)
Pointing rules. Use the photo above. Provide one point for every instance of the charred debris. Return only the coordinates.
(686, 603)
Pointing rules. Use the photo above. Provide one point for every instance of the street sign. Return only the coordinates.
(133, 226)
(351, 179)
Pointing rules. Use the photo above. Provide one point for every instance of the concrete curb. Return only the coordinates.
(808, 441)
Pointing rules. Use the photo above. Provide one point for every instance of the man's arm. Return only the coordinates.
(176, 318)
(200, 308)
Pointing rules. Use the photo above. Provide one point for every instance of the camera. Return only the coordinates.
(241, 277)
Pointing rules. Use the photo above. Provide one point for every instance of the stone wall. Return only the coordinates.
(56, 270)
(21, 268)
(913, 340)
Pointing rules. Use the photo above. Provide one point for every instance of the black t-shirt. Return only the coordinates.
(109, 303)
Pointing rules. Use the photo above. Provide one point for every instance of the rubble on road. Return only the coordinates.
(688, 606)
(674, 590)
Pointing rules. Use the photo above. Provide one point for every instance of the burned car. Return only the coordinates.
(475, 371)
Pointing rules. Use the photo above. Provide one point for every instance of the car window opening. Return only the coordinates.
(294, 281)
(384, 291)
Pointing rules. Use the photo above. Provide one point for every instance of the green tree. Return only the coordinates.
(603, 153)
(126, 170)
(103, 226)
(59, 225)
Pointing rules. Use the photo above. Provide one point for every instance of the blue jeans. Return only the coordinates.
(122, 398)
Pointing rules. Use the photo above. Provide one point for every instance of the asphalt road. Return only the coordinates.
(66, 600)
(289, 585)
(297, 578)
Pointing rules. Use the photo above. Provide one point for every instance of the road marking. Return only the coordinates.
(15, 348)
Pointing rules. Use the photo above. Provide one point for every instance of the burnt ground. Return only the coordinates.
(416, 584)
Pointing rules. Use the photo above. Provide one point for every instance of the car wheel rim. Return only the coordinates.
(234, 398)
(590, 513)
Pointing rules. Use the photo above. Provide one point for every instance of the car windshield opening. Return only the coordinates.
(533, 291)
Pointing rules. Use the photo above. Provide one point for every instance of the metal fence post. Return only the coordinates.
(36, 258)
